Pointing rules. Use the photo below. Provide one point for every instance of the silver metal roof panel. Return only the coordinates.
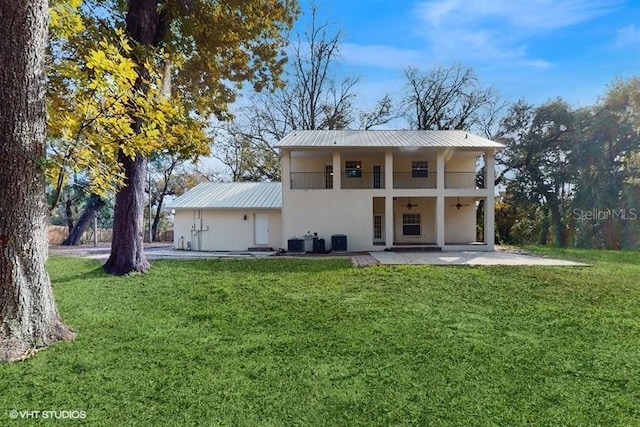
(231, 195)
(386, 139)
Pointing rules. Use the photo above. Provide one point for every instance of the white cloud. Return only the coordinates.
(498, 29)
(532, 14)
(628, 36)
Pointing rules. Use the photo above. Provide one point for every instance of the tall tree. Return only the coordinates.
(207, 48)
(28, 316)
(607, 179)
(219, 42)
(540, 143)
(445, 98)
(313, 97)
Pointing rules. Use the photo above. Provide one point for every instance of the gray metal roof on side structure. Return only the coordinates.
(386, 139)
(231, 195)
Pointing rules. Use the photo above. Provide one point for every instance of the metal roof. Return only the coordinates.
(386, 139)
(231, 195)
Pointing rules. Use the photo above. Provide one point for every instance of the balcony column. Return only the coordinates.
(440, 184)
(337, 170)
(388, 170)
(285, 159)
(489, 203)
(440, 206)
(388, 221)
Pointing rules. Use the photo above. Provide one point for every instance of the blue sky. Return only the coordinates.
(532, 49)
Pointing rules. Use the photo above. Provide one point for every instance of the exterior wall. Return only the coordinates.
(459, 224)
(402, 160)
(348, 212)
(311, 163)
(224, 229)
(462, 162)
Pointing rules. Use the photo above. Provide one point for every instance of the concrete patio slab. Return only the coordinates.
(499, 257)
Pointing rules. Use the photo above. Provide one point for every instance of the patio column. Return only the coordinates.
(388, 221)
(489, 202)
(440, 169)
(440, 220)
(388, 169)
(337, 170)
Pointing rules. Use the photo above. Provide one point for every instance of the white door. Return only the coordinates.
(262, 229)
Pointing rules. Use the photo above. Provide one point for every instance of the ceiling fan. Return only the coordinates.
(459, 205)
(409, 205)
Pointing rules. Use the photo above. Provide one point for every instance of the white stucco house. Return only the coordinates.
(228, 217)
(388, 188)
(382, 189)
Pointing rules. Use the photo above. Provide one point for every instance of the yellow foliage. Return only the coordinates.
(95, 104)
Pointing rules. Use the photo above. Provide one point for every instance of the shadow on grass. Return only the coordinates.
(266, 265)
(96, 273)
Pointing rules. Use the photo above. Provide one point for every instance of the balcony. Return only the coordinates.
(410, 180)
(461, 180)
(373, 180)
(362, 180)
(311, 180)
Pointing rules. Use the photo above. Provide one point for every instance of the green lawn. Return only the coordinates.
(282, 342)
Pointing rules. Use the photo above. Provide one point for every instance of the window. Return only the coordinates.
(411, 225)
(419, 169)
(377, 227)
(353, 168)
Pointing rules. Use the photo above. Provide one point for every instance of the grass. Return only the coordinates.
(316, 342)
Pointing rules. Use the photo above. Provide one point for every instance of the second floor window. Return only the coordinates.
(353, 168)
(419, 169)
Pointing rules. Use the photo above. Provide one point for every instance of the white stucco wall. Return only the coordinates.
(226, 230)
(328, 212)
(459, 224)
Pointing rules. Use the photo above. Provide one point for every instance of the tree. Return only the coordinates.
(607, 142)
(28, 316)
(93, 205)
(539, 149)
(206, 48)
(381, 114)
(168, 177)
(445, 98)
(313, 97)
(219, 42)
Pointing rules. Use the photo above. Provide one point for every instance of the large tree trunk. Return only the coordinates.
(28, 316)
(94, 204)
(144, 25)
(127, 243)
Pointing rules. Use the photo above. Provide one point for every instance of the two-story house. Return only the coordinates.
(381, 189)
(388, 188)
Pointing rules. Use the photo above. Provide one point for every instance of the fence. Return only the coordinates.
(57, 234)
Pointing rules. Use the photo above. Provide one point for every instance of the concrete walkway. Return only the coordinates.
(498, 257)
